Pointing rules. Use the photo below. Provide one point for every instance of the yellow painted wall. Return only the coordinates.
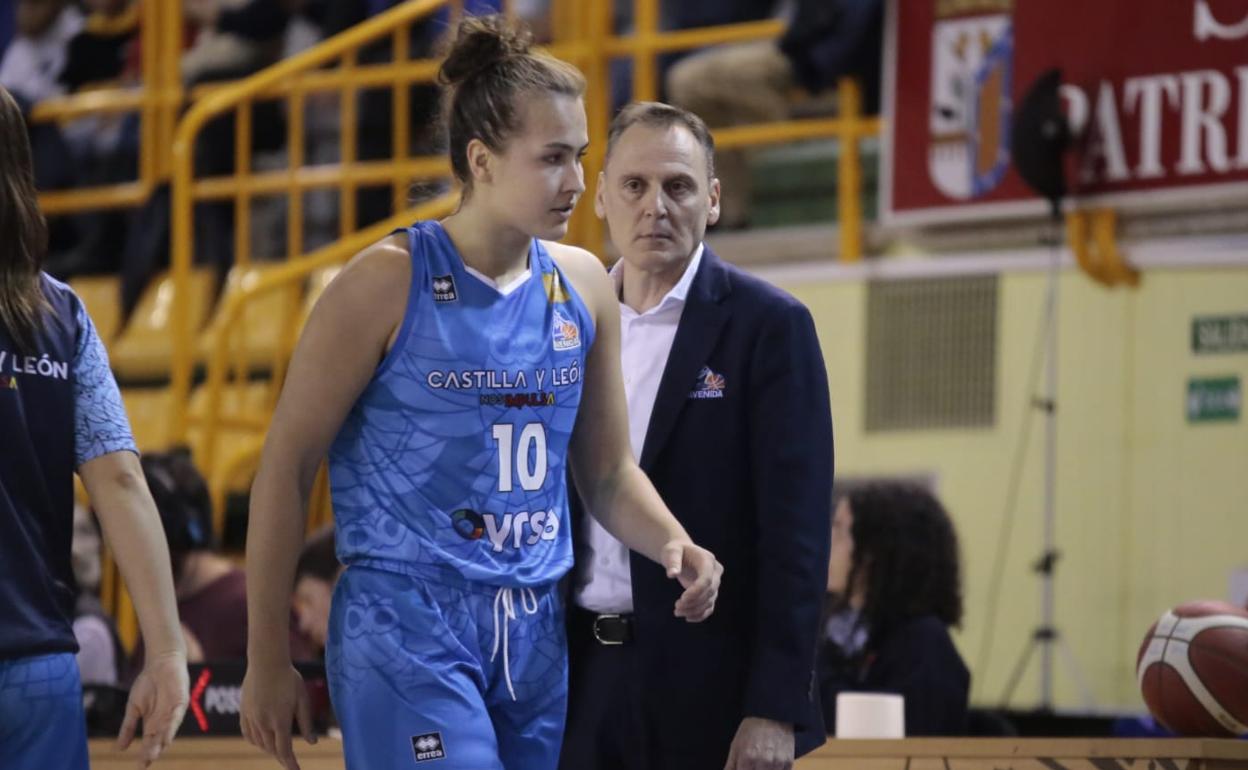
(1152, 511)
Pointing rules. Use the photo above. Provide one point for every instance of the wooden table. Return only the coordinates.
(217, 754)
(912, 754)
(1029, 754)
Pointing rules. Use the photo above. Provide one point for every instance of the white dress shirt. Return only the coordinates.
(603, 578)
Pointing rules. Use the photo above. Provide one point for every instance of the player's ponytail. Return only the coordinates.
(491, 62)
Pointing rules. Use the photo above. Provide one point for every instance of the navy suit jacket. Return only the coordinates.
(742, 455)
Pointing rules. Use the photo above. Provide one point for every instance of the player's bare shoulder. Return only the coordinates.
(369, 295)
(586, 273)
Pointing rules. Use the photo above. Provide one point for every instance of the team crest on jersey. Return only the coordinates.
(428, 746)
(567, 335)
(708, 385)
(444, 288)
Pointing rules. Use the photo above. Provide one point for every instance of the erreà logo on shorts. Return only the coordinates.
(444, 288)
(428, 747)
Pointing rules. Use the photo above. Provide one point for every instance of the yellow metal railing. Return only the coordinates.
(156, 99)
(225, 371)
(292, 80)
(582, 36)
(593, 27)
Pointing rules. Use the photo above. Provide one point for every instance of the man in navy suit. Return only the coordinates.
(729, 416)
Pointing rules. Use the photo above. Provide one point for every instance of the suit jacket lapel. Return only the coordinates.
(700, 324)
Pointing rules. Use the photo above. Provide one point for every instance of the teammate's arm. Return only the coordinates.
(122, 502)
(106, 461)
(615, 489)
(346, 337)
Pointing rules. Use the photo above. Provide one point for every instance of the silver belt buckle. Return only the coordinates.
(606, 642)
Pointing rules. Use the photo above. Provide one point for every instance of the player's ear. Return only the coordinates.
(480, 161)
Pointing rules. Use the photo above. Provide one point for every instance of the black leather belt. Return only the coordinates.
(610, 629)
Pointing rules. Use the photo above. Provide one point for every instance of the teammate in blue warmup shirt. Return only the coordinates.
(453, 373)
(60, 411)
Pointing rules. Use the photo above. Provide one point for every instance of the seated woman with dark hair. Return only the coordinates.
(894, 585)
(316, 574)
(210, 588)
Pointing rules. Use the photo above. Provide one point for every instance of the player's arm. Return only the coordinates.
(131, 525)
(346, 337)
(104, 454)
(615, 489)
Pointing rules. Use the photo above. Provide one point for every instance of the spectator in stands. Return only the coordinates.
(756, 82)
(30, 68)
(60, 412)
(34, 60)
(316, 574)
(375, 128)
(104, 147)
(7, 23)
(894, 583)
(101, 658)
(101, 52)
(211, 589)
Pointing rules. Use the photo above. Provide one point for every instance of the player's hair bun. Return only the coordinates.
(482, 43)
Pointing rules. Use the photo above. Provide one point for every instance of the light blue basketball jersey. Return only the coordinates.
(453, 458)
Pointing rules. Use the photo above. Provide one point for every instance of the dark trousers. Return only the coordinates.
(611, 723)
(605, 729)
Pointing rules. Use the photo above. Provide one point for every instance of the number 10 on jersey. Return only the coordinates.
(524, 459)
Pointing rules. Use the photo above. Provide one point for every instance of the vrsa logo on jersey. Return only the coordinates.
(428, 746)
(567, 334)
(708, 385)
(444, 288)
(511, 530)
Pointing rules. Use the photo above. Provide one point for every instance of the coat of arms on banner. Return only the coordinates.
(972, 70)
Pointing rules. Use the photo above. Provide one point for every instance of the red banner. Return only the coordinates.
(1156, 92)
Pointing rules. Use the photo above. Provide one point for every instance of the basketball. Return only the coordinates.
(1193, 669)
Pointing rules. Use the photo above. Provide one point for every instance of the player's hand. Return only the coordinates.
(761, 744)
(158, 698)
(273, 697)
(699, 573)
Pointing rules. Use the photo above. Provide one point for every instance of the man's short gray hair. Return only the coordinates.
(662, 115)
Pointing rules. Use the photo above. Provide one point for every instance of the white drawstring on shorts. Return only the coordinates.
(505, 597)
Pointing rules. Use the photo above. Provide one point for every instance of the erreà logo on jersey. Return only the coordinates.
(444, 288)
(428, 746)
(511, 530)
(567, 335)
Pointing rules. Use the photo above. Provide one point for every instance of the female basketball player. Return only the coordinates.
(60, 412)
(453, 372)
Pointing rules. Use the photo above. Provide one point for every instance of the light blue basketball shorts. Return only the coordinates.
(41, 720)
(446, 674)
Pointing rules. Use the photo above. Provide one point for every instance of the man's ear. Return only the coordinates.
(712, 214)
(600, 203)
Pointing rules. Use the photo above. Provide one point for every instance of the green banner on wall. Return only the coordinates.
(1213, 399)
(1220, 334)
